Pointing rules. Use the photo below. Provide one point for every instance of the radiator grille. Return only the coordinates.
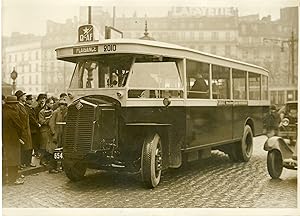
(79, 130)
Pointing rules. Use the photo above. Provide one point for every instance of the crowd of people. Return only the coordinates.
(31, 128)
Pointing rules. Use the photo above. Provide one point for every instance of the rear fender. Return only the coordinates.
(278, 143)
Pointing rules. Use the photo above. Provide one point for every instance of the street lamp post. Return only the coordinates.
(14, 76)
(291, 44)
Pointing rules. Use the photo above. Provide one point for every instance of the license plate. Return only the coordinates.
(58, 155)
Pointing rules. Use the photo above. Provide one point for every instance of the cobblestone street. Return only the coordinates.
(212, 183)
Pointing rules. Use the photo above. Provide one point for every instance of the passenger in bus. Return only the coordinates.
(200, 87)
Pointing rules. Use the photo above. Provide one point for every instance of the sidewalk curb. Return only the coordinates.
(32, 170)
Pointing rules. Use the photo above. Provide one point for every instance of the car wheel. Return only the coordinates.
(151, 163)
(274, 163)
(75, 171)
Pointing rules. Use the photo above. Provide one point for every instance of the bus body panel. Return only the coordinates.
(208, 125)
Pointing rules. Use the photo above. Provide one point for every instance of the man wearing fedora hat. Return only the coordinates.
(26, 135)
(33, 123)
(12, 131)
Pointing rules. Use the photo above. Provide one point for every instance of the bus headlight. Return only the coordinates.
(285, 122)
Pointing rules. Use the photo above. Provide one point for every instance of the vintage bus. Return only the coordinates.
(140, 106)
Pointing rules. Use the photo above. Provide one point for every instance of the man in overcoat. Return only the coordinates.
(41, 99)
(56, 125)
(271, 122)
(26, 134)
(11, 134)
(46, 138)
(34, 124)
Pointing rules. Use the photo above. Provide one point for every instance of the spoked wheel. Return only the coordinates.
(75, 171)
(151, 163)
(274, 163)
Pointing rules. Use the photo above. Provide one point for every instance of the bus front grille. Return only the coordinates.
(79, 130)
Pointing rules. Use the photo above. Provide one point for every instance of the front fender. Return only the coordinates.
(278, 143)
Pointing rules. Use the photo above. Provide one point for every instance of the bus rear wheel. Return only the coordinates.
(244, 147)
(75, 171)
(151, 163)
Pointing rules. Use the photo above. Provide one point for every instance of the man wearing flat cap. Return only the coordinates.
(12, 131)
(26, 153)
(56, 125)
(34, 124)
(62, 96)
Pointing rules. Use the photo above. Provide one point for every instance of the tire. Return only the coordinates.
(244, 148)
(151, 163)
(74, 171)
(274, 163)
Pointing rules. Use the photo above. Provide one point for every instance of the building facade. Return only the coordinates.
(57, 74)
(34, 59)
(23, 53)
(269, 44)
(213, 30)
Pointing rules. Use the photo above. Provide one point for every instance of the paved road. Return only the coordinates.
(212, 183)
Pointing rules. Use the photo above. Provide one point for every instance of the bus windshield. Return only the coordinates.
(108, 71)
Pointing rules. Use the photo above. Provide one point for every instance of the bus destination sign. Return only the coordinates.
(86, 33)
(85, 49)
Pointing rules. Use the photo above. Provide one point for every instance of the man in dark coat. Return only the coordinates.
(34, 124)
(12, 131)
(271, 122)
(41, 99)
(26, 135)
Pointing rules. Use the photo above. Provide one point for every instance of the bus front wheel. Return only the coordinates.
(75, 171)
(151, 163)
(244, 147)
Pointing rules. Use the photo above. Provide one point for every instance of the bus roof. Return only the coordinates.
(148, 43)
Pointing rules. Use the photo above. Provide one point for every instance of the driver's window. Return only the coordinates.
(105, 72)
(88, 75)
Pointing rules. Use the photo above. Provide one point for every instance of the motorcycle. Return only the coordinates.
(282, 148)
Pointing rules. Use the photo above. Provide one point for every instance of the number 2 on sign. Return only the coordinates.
(110, 48)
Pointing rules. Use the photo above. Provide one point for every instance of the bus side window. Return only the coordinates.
(221, 79)
(197, 79)
(239, 84)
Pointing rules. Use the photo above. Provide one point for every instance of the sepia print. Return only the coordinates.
(151, 107)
